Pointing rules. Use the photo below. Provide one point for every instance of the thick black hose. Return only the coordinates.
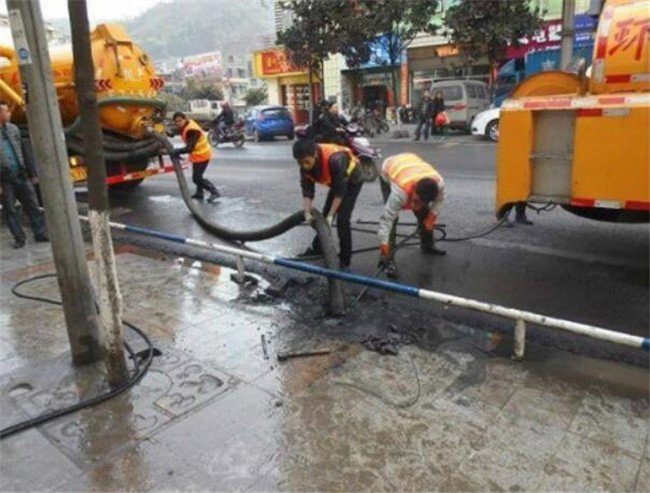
(320, 225)
(138, 374)
(150, 150)
(226, 233)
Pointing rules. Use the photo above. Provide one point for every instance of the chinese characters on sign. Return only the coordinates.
(203, 64)
(276, 62)
(628, 33)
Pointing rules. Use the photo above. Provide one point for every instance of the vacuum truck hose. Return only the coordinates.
(337, 305)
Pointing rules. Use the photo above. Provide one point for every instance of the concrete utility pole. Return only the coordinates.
(54, 173)
(110, 299)
(568, 31)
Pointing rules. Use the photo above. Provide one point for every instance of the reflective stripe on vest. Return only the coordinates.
(325, 152)
(406, 170)
(202, 150)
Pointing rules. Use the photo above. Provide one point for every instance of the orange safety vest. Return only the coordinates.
(325, 152)
(202, 151)
(406, 170)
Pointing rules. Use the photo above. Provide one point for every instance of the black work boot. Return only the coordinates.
(390, 269)
(18, 243)
(198, 196)
(520, 214)
(214, 195)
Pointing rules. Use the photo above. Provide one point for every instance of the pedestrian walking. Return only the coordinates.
(334, 167)
(16, 182)
(425, 112)
(198, 147)
(438, 107)
(409, 182)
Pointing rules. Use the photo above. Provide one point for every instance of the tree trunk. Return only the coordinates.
(110, 299)
(310, 91)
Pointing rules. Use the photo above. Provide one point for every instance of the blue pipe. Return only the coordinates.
(348, 276)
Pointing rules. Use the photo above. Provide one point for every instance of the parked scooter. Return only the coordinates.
(235, 134)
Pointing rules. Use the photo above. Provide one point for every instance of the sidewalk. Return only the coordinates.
(455, 137)
(450, 412)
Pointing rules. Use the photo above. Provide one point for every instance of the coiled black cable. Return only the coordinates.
(139, 370)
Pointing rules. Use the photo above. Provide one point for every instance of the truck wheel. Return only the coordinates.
(492, 131)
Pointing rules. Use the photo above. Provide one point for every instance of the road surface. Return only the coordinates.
(562, 266)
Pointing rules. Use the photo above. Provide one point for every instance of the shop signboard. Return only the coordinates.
(550, 36)
(204, 64)
(277, 62)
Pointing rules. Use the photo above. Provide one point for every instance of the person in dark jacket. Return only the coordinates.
(425, 110)
(334, 167)
(16, 182)
(330, 126)
(438, 107)
(225, 119)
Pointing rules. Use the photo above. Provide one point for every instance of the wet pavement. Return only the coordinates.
(217, 410)
(563, 266)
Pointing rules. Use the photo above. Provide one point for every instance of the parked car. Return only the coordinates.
(264, 122)
(464, 99)
(486, 124)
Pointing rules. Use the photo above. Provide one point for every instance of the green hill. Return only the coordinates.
(185, 27)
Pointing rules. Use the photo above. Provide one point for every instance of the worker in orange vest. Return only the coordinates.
(409, 182)
(335, 167)
(198, 147)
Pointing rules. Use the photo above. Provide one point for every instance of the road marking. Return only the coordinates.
(561, 253)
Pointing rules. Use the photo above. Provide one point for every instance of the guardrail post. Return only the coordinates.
(520, 340)
(241, 273)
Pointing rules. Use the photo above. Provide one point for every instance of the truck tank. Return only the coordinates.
(583, 140)
(127, 88)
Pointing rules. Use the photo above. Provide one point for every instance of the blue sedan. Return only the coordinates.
(263, 122)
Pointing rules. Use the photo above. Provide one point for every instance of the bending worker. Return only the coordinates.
(198, 147)
(408, 182)
(336, 168)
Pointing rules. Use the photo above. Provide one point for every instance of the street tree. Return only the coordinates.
(197, 90)
(255, 96)
(380, 31)
(319, 28)
(484, 29)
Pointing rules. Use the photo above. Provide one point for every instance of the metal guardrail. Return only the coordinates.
(521, 317)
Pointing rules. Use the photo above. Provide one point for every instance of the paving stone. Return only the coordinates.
(582, 464)
(31, 463)
(643, 478)
(613, 420)
(543, 407)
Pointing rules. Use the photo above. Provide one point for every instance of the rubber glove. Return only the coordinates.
(309, 217)
(330, 220)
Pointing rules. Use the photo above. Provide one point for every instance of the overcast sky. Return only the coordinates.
(98, 10)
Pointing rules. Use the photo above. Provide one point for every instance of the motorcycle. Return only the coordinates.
(235, 134)
(360, 147)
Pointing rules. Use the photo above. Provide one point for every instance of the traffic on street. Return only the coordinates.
(305, 245)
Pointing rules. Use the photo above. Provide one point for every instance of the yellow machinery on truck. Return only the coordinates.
(584, 141)
(127, 87)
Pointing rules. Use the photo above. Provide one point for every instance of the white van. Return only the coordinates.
(464, 99)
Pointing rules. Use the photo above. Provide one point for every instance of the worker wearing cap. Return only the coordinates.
(334, 167)
(409, 182)
(198, 147)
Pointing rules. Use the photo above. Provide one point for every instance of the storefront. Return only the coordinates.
(372, 82)
(431, 63)
(287, 84)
